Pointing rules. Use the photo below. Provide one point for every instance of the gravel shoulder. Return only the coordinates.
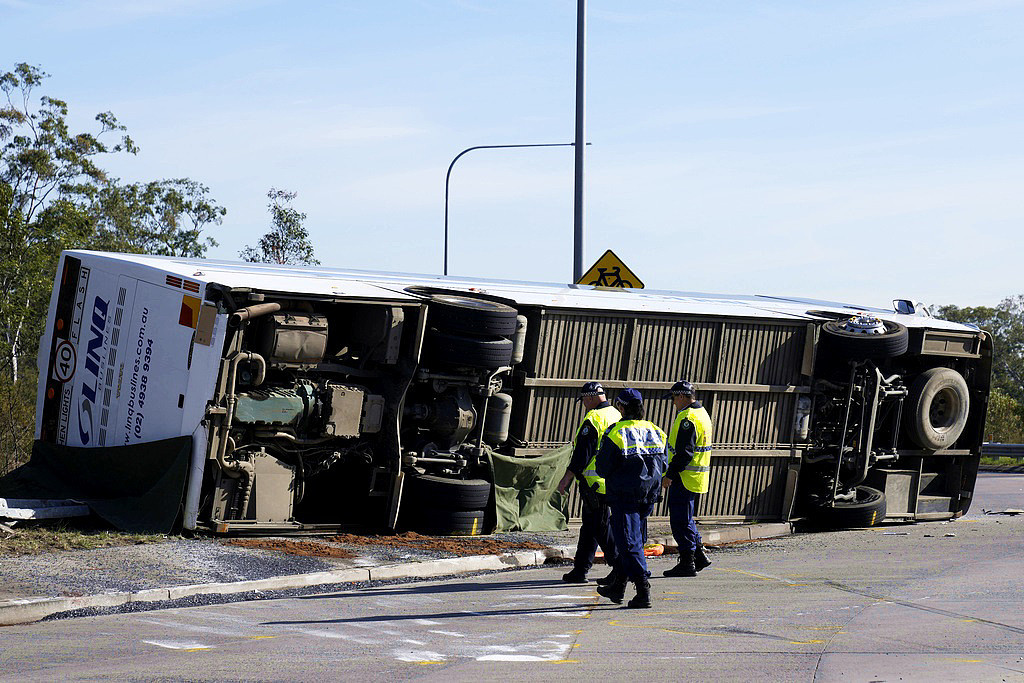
(181, 561)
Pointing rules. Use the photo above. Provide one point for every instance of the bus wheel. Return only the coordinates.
(450, 522)
(867, 510)
(465, 315)
(461, 351)
(431, 491)
(939, 403)
(864, 336)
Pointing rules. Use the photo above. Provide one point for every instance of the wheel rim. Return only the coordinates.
(944, 410)
(864, 324)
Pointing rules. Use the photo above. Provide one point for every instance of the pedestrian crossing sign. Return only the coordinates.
(610, 271)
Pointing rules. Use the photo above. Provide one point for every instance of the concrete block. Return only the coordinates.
(770, 530)
(271, 584)
(26, 611)
(150, 595)
(452, 565)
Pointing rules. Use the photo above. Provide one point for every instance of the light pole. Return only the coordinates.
(577, 212)
(448, 178)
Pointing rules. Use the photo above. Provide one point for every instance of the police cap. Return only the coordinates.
(682, 388)
(591, 389)
(627, 396)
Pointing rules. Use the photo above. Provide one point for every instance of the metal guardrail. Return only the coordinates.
(1003, 450)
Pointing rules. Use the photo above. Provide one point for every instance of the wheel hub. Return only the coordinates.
(943, 410)
(864, 324)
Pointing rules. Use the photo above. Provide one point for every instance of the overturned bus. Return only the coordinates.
(317, 397)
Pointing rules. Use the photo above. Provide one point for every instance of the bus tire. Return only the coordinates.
(463, 351)
(854, 345)
(466, 315)
(449, 522)
(867, 510)
(428, 491)
(939, 405)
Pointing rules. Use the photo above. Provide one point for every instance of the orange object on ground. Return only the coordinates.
(651, 550)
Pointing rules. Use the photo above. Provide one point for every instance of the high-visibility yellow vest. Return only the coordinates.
(600, 419)
(697, 475)
(637, 437)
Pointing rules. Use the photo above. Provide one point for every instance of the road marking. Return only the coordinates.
(418, 657)
(516, 658)
(187, 646)
(969, 661)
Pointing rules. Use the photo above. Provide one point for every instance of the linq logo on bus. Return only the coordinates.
(97, 327)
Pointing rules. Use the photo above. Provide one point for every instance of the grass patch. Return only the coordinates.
(1001, 461)
(39, 539)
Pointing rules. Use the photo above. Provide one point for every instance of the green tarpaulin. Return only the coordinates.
(136, 488)
(526, 493)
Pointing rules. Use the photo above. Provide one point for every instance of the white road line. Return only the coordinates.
(179, 644)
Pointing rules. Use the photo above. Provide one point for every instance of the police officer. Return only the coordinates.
(594, 530)
(632, 461)
(689, 467)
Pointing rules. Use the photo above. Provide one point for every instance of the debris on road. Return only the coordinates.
(1008, 511)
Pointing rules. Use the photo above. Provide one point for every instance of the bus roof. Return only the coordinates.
(329, 281)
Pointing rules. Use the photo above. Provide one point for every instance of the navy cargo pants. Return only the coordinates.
(595, 531)
(628, 523)
(682, 505)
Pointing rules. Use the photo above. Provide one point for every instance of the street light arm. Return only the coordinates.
(448, 177)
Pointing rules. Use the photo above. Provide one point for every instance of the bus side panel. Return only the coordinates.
(155, 370)
(119, 354)
(749, 374)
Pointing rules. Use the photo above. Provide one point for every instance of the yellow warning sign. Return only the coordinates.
(610, 271)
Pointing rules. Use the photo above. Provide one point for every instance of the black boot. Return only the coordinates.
(701, 559)
(614, 591)
(607, 580)
(642, 599)
(685, 567)
(577, 575)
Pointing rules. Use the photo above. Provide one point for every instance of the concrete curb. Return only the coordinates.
(28, 610)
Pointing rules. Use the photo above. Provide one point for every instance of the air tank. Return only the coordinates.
(499, 413)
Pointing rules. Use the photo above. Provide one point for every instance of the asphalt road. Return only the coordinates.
(913, 602)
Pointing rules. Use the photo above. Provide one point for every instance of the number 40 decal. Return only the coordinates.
(64, 362)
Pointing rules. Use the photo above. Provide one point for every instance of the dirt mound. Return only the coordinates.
(459, 546)
(306, 548)
(330, 547)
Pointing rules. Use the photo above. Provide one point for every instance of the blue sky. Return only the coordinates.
(860, 151)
